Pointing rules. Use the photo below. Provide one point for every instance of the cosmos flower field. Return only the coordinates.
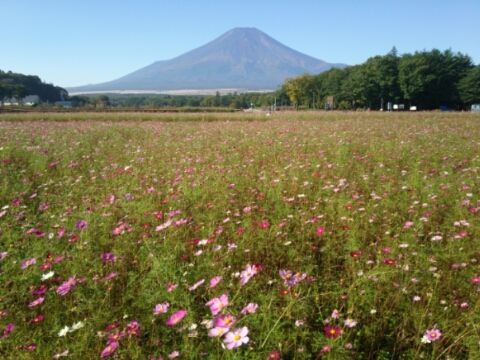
(240, 236)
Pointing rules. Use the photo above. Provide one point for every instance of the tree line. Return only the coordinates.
(231, 100)
(425, 79)
(19, 85)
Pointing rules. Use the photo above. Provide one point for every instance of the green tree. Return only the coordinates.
(469, 86)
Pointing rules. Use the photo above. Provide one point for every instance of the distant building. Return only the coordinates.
(476, 108)
(64, 104)
(29, 100)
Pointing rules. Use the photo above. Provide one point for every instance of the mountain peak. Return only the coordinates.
(245, 58)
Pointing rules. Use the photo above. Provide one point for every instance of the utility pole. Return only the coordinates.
(313, 100)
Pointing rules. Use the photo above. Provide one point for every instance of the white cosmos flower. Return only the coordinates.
(77, 326)
(425, 340)
(63, 332)
(47, 275)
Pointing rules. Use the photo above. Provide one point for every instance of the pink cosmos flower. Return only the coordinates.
(176, 318)
(3, 254)
(110, 276)
(196, 285)
(224, 321)
(217, 331)
(59, 355)
(247, 274)
(161, 308)
(214, 281)
(350, 323)
(320, 230)
(264, 225)
(26, 263)
(44, 207)
(61, 232)
(291, 279)
(250, 309)
(36, 302)
(65, 288)
(335, 314)
(325, 349)
(433, 334)
(109, 349)
(171, 287)
(475, 279)
(173, 355)
(236, 338)
(217, 304)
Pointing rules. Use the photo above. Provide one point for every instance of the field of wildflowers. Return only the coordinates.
(239, 236)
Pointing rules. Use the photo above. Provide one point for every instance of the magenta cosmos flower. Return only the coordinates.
(433, 334)
(274, 355)
(30, 347)
(7, 330)
(81, 225)
(332, 331)
(320, 230)
(176, 318)
(236, 338)
(133, 328)
(108, 257)
(109, 349)
(217, 304)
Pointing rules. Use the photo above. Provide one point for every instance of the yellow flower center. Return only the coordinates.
(236, 337)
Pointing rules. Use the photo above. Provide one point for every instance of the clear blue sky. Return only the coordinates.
(73, 43)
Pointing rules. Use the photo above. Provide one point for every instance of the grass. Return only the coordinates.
(354, 234)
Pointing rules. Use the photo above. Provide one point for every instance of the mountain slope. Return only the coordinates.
(241, 58)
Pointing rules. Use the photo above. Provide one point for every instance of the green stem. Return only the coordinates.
(278, 320)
